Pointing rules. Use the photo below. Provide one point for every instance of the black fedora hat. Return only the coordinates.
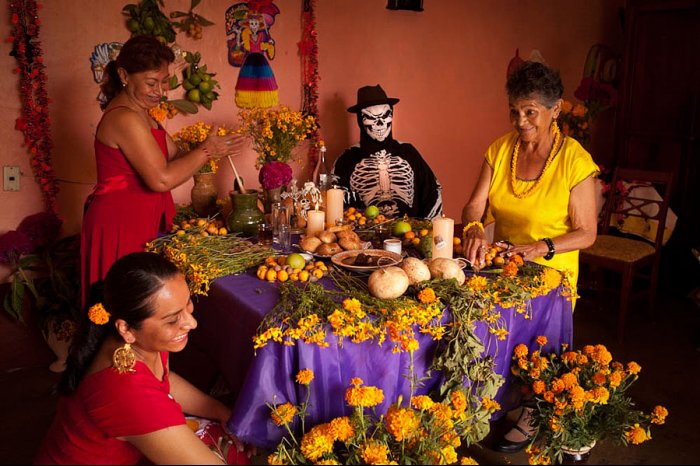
(371, 95)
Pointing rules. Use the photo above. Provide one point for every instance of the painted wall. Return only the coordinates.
(447, 64)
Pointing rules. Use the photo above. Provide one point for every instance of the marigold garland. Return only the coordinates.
(34, 120)
(308, 50)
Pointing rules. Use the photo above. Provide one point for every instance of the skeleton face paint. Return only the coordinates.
(377, 121)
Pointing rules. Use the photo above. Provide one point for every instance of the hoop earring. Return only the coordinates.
(124, 359)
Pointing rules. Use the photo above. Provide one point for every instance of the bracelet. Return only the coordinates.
(473, 224)
(550, 245)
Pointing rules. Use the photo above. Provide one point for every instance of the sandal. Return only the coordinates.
(510, 446)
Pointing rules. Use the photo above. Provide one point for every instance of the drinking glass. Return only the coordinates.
(265, 234)
(280, 216)
(285, 237)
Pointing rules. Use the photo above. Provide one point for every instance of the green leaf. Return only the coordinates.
(203, 21)
(174, 83)
(178, 14)
(194, 4)
(13, 305)
(185, 105)
(206, 104)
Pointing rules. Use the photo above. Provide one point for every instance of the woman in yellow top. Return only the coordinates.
(539, 186)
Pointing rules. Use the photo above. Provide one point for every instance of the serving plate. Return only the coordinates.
(346, 259)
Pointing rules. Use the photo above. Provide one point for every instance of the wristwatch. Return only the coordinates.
(550, 245)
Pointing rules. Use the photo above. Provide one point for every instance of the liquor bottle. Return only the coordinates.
(322, 176)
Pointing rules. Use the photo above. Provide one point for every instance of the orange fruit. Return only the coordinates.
(303, 276)
(415, 241)
(424, 232)
(409, 235)
(456, 241)
(271, 275)
(262, 271)
(282, 276)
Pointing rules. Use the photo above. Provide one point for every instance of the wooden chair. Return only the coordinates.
(621, 253)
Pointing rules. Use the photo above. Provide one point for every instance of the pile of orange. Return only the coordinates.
(275, 269)
(354, 216)
(200, 226)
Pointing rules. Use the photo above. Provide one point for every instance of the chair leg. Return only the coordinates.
(625, 293)
(654, 286)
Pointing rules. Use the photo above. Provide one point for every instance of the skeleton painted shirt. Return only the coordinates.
(394, 178)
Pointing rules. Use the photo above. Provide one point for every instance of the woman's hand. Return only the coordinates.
(241, 447)
(527, 251)
(223, 146)
(475, 246)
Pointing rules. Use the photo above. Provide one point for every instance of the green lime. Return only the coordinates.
(400, 228)
(204, 86)
(371, 212)
(187, 85)
(195, 79)
(296, 261)
(148, 23)
(193, 95)
(133, 25)
(206, 77)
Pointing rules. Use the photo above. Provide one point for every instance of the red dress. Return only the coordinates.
(122, 214)
(105, 406)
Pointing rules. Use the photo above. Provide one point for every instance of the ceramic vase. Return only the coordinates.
(245, 214)
(204, 194)
(576, 455)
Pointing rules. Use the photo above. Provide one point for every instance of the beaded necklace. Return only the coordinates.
(514, 164)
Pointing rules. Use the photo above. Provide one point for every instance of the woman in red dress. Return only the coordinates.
(137, 161)
(119, 402)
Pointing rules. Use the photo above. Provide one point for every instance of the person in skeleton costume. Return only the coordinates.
(382, 171)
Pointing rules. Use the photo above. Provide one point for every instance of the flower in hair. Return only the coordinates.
(98, 314)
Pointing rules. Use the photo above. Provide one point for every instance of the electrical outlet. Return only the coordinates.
(11, 178)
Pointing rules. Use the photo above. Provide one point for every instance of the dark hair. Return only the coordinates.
(126, 293)
(534, 78)
(138, 54)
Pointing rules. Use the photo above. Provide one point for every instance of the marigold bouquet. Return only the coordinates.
(275, 132)
(575, 121)
(189, 137)
(419, 432)
(579, 398)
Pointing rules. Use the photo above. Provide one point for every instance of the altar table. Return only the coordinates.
(229, 317)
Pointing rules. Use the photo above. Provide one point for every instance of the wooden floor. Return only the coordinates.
(663, 343)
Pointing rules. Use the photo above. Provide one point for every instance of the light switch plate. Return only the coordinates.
(11, 178)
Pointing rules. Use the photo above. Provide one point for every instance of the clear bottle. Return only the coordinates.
(322, 175)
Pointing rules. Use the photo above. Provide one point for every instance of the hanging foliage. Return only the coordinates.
(308, 51)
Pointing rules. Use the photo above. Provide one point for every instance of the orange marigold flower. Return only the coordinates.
(402, 423)
(538, 387)
(364, 396)
(459, 401)
(569, 380)
(633, 368)
(283, 414)
(98, 314)
(548, 396)
(616, 379)
(520, 351)
(427, 296)
(569, 357)
(275, 458)
(422, 402)
(342, 429)
(305, 376)
(541, 340)
(467, 460)
(637, 435)
(317, 442)
(490, 405)
(598, 378)
(510, 270)
(658, 415)
(374, 452)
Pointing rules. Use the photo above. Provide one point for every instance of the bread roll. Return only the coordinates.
(328, 249)
(310, 243)
(327, 237)
(350, 244)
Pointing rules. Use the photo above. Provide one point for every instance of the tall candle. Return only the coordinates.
(443, 233)
(315, 222)
(334, 206)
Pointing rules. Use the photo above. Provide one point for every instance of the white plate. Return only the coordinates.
(346, 259)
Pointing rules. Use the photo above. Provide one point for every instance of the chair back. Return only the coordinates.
(639, 193)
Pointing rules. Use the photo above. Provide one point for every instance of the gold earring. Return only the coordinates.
(124, 359)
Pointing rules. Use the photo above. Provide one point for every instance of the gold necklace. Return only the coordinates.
(514, 164)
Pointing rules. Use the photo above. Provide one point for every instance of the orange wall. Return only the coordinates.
(447, 65)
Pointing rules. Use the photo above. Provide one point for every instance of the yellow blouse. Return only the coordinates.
(544, 213)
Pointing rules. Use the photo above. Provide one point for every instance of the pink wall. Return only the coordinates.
(447, 65)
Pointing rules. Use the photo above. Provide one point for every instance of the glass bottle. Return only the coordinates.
(322, 176)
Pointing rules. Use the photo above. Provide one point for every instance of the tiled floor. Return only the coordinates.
(664, 344)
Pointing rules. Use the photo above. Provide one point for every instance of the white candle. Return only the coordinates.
(443, 233)
(315, 222)
(334, 206)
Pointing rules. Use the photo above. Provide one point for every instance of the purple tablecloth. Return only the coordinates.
(228, 318)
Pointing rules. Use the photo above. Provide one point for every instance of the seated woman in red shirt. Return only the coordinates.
(120, 404)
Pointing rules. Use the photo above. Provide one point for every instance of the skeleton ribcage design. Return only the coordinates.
(383, 179)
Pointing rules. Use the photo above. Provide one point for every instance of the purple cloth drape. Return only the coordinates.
(228, 318)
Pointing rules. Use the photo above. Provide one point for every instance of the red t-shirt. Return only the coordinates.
(105, 406)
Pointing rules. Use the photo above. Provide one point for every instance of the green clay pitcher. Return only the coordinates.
(245, 214)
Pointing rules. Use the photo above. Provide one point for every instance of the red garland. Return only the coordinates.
(34, 120)
(308, 50)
